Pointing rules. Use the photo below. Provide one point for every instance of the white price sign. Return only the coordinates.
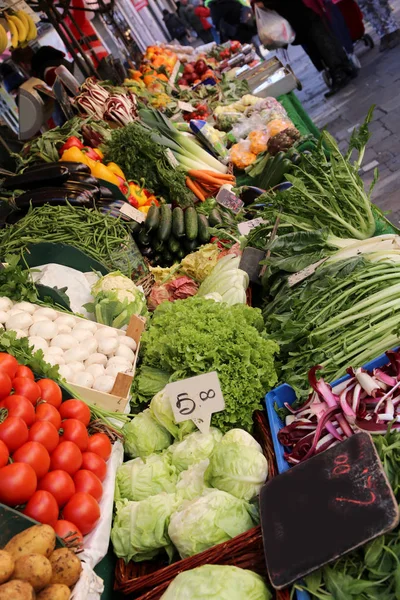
(185, 106)
(132, 213)
(247, 226)
(196, 399)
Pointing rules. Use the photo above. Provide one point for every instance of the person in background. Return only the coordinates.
(379, 15)
(45, 62)
(189, 19)
(176, 27)
(214, 30)
(233, 19)
(204, 15)
(323, 48)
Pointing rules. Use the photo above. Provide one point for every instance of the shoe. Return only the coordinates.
(384, 44)
(394, 39)
(339, 82)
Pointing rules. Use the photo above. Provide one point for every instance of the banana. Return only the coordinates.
(3, 39)
(22, 30)
(14, 33)
(32, 31)
(23, 17)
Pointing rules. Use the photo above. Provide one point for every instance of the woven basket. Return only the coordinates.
(148, 580)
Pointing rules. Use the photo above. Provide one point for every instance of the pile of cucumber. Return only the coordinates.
(168, 235)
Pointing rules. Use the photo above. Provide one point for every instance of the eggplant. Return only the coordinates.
(75, 167)
(51, 174)
(84, 178)
(82, 187)
(54, 196)
(105, 192)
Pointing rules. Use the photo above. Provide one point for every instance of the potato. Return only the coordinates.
(66, 567)
(17, 590)
(39, 539)
(35, 569)
(6, 566)
(55, 591)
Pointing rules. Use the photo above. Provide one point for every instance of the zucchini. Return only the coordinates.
(165, 225)
(178, 222)
(191, 245)
(143, 237)
(204, 234)
(181, 253)
(153, 218)
(191, 225)
(135, 228)
(215, 217)
(157, 244)
(173, 245)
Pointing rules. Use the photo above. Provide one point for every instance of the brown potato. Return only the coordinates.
(17, 590)
(66, 567)
(6, 566)
(55, 591)
(39, 539)
(35, 569)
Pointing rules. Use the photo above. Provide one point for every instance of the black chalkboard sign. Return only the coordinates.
(323, 508)
(250, 262)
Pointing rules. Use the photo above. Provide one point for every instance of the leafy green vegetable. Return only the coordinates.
(191, 483)
(238, 469)
(195, 447)
(161, 411)
(217, 582)
(140, 528)
(141, 158)
(138, 479)
(146, 384)
(15, 282)
(194, 336)
(143, 436)
(214, 518)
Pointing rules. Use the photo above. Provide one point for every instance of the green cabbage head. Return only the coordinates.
(194, 447)
(139, 478)
(213, 518)
(160, 408)
(144, 436)
(217, 582)
(191, 482)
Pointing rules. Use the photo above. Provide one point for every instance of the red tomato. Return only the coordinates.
(86, 481)
(93, 462)
(14, 433)
(5, 385)
(19, 406)
(9, 364)
(83, 510)
(33, 454)
(59, 484)
(42, 507)
(23, 371)
(75, 431)
(4, 454)
(66, 457)
(50, 391)
(26, 387)
(75, 409)
(69, 532)
(17, 483)
(47, 412)
(46, 434)
(100, 444)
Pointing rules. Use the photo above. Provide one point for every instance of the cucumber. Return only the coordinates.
(190, 245)
(165, 225)
(143, 238)
(215, 218)
(135, 228)
(153, 218)
(191, 226)
(173, 245)
(178, 222)
(181, 253)
(157, 245)
(167, 256)
(204, 234)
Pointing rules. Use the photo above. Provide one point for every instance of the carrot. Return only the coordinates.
(226, 176)
(195, 189)
(203, 178)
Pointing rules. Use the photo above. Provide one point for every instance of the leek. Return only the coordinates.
(183, 144)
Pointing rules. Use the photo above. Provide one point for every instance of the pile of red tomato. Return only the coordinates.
(48, 461)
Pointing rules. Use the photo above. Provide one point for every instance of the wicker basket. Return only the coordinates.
(149, 580)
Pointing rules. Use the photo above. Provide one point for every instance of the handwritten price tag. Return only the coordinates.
(229, 200)
(196, 398)
(185, 106)
(247, 226)
(132, 213)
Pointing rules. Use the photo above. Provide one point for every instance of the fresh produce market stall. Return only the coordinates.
(171, 256)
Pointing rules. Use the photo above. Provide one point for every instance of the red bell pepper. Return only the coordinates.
(71, 142)
(91, 153)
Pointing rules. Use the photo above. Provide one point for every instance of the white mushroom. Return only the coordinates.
(81, 334)
(77, 353)
(76, 366)
(5, 303)
(49, 313)
(37, 342)
(21, 320)
(106, 332)
(45, 329)
(108, 345)
(83, 324)
(128, 341)
(96, 370)
(96, 358)
(90, 344)
(85, 379)
(125, 352)
(26, 307)
(3, 316)
(66, 372)
(104, 383)
(64, 341)
(67, 320)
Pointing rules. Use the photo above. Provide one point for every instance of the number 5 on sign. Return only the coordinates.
(196, 398)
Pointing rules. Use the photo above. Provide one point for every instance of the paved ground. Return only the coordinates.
(378, 83)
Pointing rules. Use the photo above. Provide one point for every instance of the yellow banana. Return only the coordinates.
(3, 39)
(22, 16)
(32, 31)
(14, 33)
(22, 31)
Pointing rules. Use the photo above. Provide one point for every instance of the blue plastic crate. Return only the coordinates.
(286, 394)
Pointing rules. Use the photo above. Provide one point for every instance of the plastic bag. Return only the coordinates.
(273, 30)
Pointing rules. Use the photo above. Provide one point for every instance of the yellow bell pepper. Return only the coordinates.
(144, 209)
(138, 194)
(74, 155)
(114, 168)
(102, 172)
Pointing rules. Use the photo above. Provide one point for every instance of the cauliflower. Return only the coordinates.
(113, 281)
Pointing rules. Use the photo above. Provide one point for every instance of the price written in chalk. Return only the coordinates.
(196, 398)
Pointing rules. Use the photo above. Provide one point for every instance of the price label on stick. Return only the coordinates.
(196, 399)
(185, 106)
(132, 213)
